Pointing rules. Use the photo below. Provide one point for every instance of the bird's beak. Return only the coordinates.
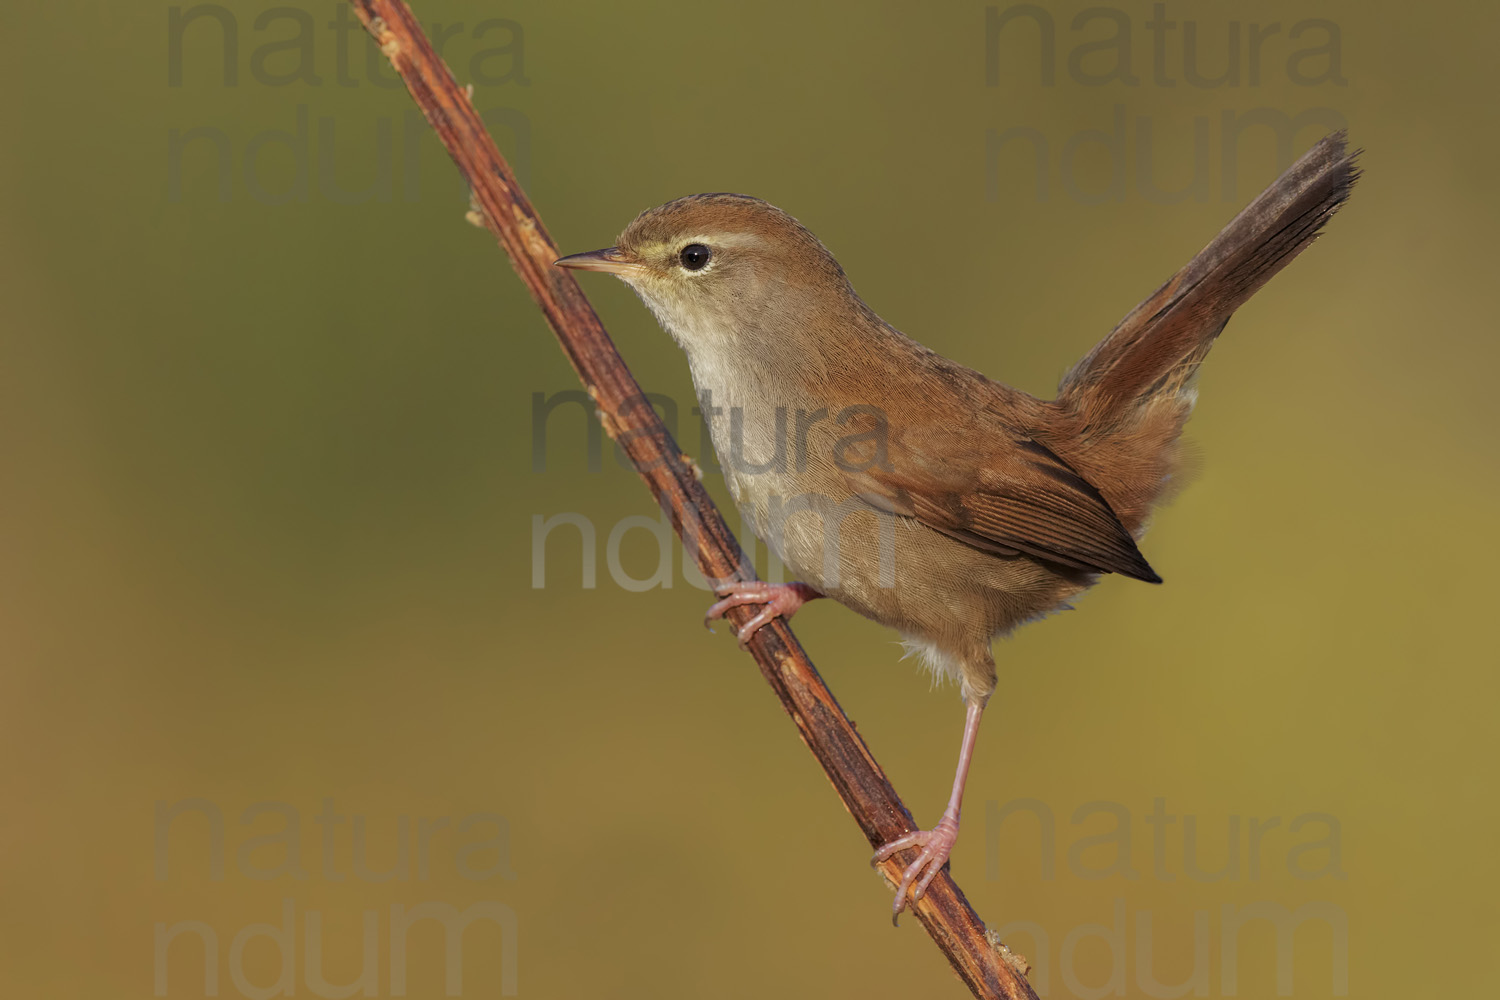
(611, 259)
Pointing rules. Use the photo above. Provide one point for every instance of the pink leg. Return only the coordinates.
(781, 600)
(938, 842)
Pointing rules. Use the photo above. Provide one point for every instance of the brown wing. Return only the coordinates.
(1022, 497)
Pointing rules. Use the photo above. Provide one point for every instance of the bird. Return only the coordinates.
(909, 488)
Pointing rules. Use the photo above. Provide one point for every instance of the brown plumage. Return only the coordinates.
(911, 489)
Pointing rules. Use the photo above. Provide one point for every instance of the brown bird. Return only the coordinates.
(909, 488)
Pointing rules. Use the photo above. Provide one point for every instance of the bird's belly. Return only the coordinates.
(896, 570)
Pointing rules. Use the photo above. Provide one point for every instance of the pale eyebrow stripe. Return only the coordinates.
(746, 241)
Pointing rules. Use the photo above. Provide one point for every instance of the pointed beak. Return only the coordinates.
(611, 259)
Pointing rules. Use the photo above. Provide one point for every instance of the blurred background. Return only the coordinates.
(289, 676)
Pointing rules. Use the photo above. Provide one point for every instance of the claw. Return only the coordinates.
(937, 845)
(781, 600)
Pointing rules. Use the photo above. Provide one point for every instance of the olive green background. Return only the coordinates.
(268, 501)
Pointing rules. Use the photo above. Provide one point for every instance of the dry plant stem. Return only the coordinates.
(988, 970)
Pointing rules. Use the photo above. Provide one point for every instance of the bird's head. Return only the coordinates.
(718, 268)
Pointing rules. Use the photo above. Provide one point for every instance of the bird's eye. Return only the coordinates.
(694, 256)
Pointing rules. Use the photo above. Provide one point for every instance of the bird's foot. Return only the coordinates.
(781, 600)
(936, 845)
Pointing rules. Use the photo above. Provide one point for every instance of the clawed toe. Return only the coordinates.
(937, 845)
(781, 600)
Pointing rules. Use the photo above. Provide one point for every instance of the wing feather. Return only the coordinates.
(1022, 497)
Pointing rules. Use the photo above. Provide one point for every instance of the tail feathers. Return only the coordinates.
(1156, 349)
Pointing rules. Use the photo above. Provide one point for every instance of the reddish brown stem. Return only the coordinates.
(989, 970)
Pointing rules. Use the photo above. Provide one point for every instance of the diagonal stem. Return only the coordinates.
(986, 966)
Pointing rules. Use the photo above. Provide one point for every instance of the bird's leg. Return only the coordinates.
(781, 600)
(938, 842)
